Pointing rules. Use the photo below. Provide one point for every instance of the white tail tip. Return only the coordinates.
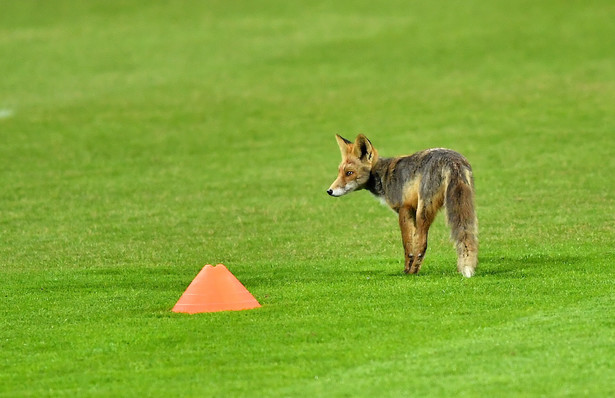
(467, 271)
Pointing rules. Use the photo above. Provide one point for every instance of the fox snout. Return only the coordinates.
(342, 188)
(336, 192)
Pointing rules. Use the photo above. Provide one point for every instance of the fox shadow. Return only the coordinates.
(490, 265)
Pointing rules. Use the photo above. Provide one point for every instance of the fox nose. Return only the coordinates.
(330, 192)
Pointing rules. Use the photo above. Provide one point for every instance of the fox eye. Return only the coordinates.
(349, 173)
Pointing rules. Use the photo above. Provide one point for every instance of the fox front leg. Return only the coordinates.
(407, 226)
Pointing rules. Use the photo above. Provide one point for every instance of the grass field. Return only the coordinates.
(142, 140)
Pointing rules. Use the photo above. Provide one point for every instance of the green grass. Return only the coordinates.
(141, 140)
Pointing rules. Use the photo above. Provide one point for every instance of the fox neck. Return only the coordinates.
(376, 176)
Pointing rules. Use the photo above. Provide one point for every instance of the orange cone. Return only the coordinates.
(215, 289)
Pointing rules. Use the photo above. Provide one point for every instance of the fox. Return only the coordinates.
(416, 187)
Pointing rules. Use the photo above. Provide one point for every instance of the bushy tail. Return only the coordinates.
(461, 216)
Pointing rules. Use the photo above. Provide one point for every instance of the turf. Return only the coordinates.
(142, 140)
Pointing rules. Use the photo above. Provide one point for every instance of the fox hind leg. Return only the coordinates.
(424, 218)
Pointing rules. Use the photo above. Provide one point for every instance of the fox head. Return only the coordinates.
(358, 159)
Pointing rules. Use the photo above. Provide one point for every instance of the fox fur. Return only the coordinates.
(416, 187)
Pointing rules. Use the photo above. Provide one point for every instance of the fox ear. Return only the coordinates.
(363, 148)
(343, 144)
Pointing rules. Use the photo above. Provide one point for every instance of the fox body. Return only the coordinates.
(416, 187)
